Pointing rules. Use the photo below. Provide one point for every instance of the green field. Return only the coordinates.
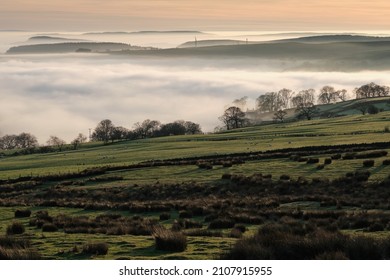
(209, 210)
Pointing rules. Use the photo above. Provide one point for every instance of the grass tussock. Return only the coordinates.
(296, 242)
(95, 249)
(167, 240)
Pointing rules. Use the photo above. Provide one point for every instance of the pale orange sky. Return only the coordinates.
(264, 15)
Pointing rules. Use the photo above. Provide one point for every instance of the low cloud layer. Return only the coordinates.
(64, 95)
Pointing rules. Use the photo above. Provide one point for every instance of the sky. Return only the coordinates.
(274, 15)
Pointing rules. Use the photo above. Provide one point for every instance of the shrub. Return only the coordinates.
(49, 227)
(221, 223)
(368, 163)
(167, 240)
(235, 233)
(336, 156)
(95, 249)
(22, 213)
(313, 160)
(15, 228)
(386, 162)
(328, 161)
(276, 242)
(349, 156)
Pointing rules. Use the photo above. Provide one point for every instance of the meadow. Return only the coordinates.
(206, 196)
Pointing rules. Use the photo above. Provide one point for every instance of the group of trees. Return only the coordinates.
(106, 131)
(304, 103)
(21, 141)
(287, 99)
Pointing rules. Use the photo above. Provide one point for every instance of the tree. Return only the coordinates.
(280, 115)
(362, 107)
(371, 90)
(55, 141)
(304, 102)
(103, 131)
(119, 133)
(233, 117)
(342, 95)
(192, 128)
(307, 111)
(147, 128)
(26, 141)
(327, 95)
(175, 128)
(81, 138)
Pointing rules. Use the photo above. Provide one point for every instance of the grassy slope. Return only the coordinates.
(342, 130)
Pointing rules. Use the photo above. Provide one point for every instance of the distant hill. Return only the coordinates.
(145, 32)
(52, 39)
(290, 55)
(335, 38)
(74, 47)
(210, 43)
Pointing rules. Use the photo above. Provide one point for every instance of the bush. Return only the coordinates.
(368, 163)
(336, 156)
(279, 242)
(49, 227)
(167, 240)
(95, 249)
(22, 213)
(313, 160)
(328, 161)
(221, 223)
(349, 156)
(235, 233)
(15, 228)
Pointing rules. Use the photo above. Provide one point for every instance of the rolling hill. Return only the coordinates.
(70, 47)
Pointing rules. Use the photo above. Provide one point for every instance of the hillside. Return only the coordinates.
(70, 47)
(286, 55)
(327, 178)
(338, 109)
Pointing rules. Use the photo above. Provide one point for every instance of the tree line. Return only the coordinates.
(106, 131)
(304, 102)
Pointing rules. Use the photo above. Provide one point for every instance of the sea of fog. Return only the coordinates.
(64, 95)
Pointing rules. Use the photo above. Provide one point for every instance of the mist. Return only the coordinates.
(64, 95)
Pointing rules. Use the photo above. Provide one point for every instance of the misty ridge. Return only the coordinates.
(69, 92)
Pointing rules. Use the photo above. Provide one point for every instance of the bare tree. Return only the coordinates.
(233, 117)
(81, 138)
(362, 107)
(371, 90)
(280, 115)
(327, 95)
(307, 111)
(55, 141)
(103, 131)
(146, 128)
